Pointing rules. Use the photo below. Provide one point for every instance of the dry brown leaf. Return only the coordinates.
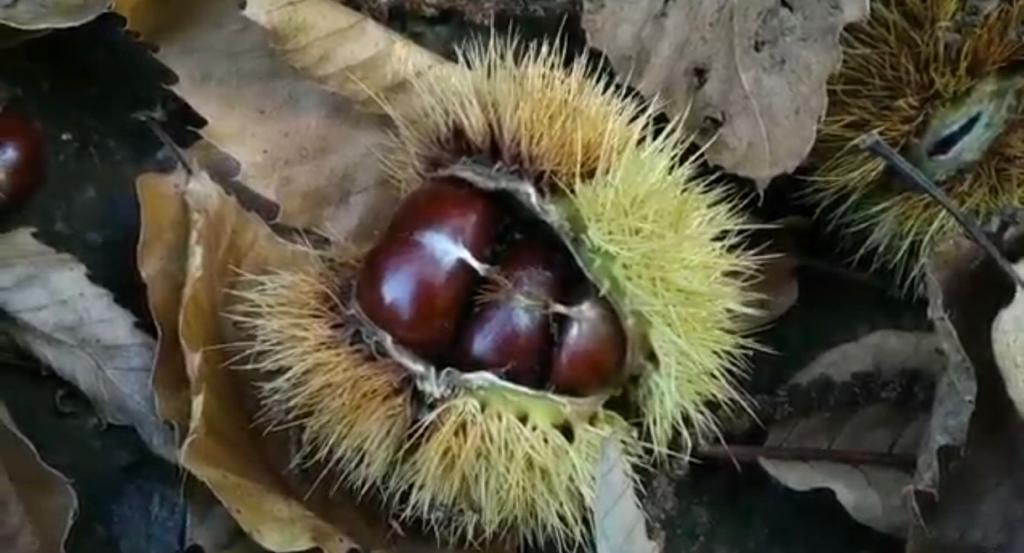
(50, 14)
(162, 254)
(37, 504)
(76, 327)
(873, 495)
(973, 494)
(296, 143)
(209, 525)
(243, 466)
(221, 447)
(343, 49)
(1008, 345)
(757, 68)
(620, 523)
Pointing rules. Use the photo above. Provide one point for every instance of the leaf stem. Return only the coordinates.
(876, 145)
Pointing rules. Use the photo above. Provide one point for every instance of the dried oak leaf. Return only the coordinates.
(976, 494)
(872, 494)
(245, 465)
(50, 14)
(344, 50)
(76, 328)
(312, 152)
(753, 71)
(37, 504)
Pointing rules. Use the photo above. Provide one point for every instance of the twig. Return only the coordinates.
(874, 144)
(751, 453)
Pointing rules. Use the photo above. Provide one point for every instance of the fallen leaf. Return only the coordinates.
(976, 491)
(620, 523)
(962, 316)
(753, 71)
(75, 327)
(209, 525)
(344, 50)
(292, 141)
(50, 14)
(244, 466)
(162, 254)
(872, 494)
(37, 504)
(949, 296)
(1008, 345)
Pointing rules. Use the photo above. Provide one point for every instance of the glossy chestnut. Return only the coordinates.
(510, 332)
(415, 282)
(590, 350)
(22, 157)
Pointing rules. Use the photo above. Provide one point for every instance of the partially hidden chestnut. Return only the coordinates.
(414, 283)
(591, 349)
(22, 158)
(510, 332)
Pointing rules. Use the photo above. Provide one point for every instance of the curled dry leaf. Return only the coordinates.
(755, 71)
(162, 255)
(37, 504)
(961, 290)
(1008, 345)
(50, 14)
(209, 525)
(75, 327)
(872, 494)
(220, 448)
(292, 141)
(344, 50)
(975, 493)
(245, 466)
(620, 523)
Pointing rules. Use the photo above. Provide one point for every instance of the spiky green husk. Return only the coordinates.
(472, 467)
(499, 474)
(481, 463)
(666, 239)
(353, 409)
(670, 244)
(899, 69)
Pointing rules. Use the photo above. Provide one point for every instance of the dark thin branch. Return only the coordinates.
(874, 144)
(751, 453)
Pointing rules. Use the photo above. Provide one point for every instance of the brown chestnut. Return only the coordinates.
(510, 333)
(590, 350)
(415, 282)
(22, 157)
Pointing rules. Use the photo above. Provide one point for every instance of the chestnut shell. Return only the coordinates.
(415, 282)
(22, 157)
(511, 332)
